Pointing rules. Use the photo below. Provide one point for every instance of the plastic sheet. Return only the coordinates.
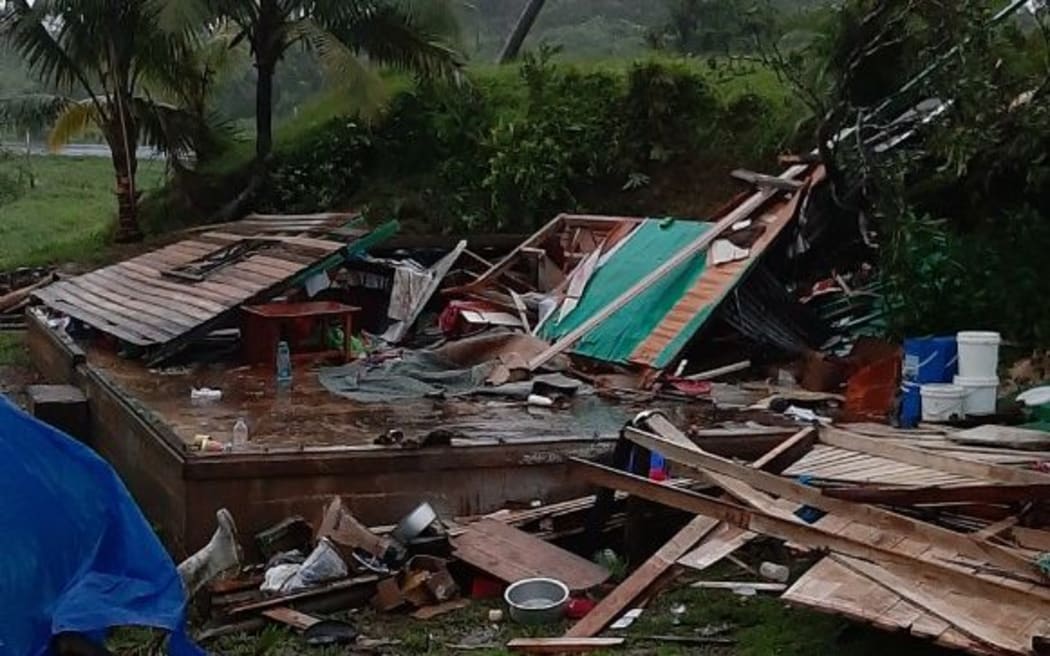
(76, 552)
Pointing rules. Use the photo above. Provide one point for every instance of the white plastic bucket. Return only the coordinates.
(978, 354)
(942, 402)
(981, 395)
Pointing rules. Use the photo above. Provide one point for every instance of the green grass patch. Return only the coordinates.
(68, 214)
(13, 351)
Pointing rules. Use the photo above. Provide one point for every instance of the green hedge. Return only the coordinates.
(516, 145)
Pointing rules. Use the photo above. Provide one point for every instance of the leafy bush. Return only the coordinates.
(322, 172)
(517, 145)
(666, 111)
(942, 280)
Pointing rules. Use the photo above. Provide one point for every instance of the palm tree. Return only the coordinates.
(390, 33)
(103, 55)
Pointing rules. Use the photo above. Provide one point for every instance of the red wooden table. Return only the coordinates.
(263, 326)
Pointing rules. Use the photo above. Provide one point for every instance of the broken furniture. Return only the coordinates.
(509, 555)
(299, 324)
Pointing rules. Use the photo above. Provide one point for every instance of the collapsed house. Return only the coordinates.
(530, 369)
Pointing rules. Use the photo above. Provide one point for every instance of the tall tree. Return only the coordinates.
(103, 54)
(389, 33)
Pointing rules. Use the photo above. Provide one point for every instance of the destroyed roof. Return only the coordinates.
(165, 298)
(656, 322)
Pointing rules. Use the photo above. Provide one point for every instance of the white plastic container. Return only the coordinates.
(978, 354)
(942, 402)
(981, 395)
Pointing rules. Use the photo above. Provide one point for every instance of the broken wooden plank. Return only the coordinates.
(283, 600)
(635, 585)
(430, 612)
(727, 539)
(809, 535)
(910, 496)
(509, 554)
(562, 645)
(711, 374)
(737, 586)
(290, 617)
(763, 180)
(787, 452)
(915, 456)
(937, 605)
(705, 463)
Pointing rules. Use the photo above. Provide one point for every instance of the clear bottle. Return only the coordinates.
(240, 434)
(284, 362)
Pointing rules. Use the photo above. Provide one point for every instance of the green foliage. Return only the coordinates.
(667, 110)
(517, 145)
(942, 280)
(568, 136)
(325, 168)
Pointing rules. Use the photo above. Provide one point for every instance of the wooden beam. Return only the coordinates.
(705, 463)
(992, 530)
(720, 371)
(609, 608)
(787, 452)
(812, 536)
(913, 456)
(910, 496)
(669, 433)
(762, 180)
(740, 585)
(727, 539)
(562, 645)
(742, 211)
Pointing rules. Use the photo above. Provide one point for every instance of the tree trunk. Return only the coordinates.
(122, 145)
(264, 110)
(521, 30)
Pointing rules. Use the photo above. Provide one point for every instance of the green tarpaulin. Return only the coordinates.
(616, 338)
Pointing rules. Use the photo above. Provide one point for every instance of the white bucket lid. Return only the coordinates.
(942, 390)
(982, 381)
(978, 337)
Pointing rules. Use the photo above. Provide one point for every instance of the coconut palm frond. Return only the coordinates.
(393, 37)
(72, 122)
(438, 18)
(33, 111)
(342, 65)
(26, 31)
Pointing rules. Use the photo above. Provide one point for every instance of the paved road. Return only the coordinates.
(79, 150)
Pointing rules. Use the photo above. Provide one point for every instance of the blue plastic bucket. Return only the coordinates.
(930, 360)
(911, 405)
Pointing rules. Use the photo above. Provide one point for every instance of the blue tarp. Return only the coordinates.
(76, 553)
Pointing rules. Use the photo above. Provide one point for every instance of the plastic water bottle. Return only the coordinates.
(240, 434)
(284, 362)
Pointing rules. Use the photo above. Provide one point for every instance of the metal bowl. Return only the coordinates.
(537, 601)
(414, 523)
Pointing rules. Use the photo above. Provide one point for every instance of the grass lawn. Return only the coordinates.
(12, 350)
(68, 215)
